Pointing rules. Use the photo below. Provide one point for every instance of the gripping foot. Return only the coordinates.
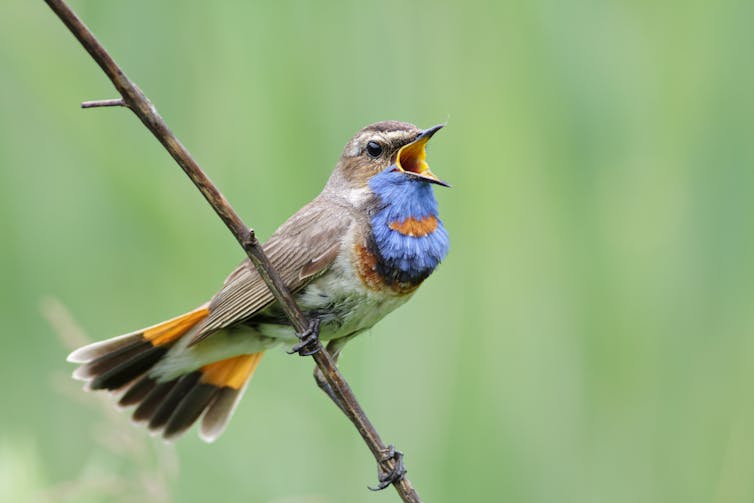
(308, 340)
(386, 475)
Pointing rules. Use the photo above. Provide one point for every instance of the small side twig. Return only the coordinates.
(117, 102)
(134, 99)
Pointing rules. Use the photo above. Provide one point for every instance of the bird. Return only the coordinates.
(356, 252)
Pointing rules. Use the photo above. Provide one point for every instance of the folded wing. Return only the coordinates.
(301, 249)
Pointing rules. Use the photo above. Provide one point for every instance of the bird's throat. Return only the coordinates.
(407, 239)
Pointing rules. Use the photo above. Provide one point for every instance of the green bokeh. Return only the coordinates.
(589, 338)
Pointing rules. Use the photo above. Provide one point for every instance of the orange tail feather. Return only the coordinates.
(169, 407)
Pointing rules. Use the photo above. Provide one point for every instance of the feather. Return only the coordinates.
(177, 393)
(116, 362)
(152, 401)
(137, 392)
(216, 418)
(230, 377)
(99, 349)
(126, 371)
(408, 236)
(302, 248)
(172, 406)
(189, 410)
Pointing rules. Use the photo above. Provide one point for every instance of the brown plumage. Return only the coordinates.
(195, 367)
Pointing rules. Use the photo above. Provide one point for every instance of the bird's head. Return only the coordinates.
(389, 146)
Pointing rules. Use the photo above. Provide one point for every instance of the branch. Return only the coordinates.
(133, 98)
(117, 102)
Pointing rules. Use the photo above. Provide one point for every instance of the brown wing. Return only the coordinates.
(303, 247)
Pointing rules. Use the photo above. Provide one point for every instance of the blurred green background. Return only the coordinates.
(589, 338)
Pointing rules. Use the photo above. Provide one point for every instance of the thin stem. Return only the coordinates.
(133, 98)
(117, 102)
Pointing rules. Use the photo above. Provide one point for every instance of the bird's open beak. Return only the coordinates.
(410, 158)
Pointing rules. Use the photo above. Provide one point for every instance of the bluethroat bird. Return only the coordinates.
(356, 252)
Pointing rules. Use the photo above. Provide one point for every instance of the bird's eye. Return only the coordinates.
(374, 149)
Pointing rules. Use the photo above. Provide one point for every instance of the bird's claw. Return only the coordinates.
(387, 475)
(308, 341)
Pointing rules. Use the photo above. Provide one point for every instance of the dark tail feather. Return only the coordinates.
(169, 407)
(115, 377)
(147, 407)
(137, 392)
(218, 413)
(189, 410)
(178, 392)
(113, 363)
(172, 407)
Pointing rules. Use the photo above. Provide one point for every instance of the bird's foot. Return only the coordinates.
(308, 341)
(387, 475)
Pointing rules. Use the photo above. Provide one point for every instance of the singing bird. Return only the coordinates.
(355, 253)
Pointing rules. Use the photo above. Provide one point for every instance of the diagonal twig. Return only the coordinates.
(133, 98)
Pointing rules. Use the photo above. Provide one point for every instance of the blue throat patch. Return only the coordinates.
(401, 199)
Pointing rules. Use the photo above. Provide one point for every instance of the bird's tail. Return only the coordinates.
(170, 407)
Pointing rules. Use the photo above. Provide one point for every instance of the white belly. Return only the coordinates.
(338, 298)
(341, 301)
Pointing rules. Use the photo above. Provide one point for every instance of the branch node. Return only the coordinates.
(116, 102)
(249, 240)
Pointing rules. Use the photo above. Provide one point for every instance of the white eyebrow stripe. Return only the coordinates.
(385, 137)
(397, 135)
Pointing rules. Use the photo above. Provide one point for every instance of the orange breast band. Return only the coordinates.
(413, 227)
